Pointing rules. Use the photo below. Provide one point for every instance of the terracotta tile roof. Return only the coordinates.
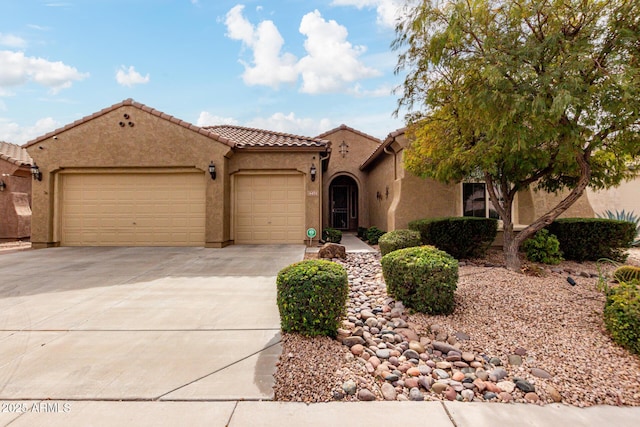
(14, 154)
(242, 137)
(131, 102)
(345, 127)
(378, 151)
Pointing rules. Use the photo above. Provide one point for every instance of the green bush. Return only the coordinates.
(625, 216)
(593, 238)
(331, 235)
(373, 234)
(627, 273)
(312, 296)
(622, 315)
(544, 247)
(362, 232)
(462, 237)
(423, 278)
(398, 239)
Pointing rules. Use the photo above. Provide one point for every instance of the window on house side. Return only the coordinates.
(476, 202)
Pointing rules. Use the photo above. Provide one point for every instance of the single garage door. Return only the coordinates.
(269, 209)
(133, 209)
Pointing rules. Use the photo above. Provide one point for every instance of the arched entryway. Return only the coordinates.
(343, 203)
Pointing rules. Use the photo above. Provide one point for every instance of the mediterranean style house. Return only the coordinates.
(130, 175)
(15, 192)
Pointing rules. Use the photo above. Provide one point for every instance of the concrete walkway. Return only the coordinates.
(351, 243)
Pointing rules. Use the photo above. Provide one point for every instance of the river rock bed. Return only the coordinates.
(512, 338)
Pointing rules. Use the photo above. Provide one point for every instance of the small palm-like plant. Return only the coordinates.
(624, 216)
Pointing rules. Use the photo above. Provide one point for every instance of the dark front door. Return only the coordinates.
(344, 203)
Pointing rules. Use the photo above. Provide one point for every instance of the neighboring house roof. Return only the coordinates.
(15, 154)
(132, 103)
(345, 127)
(380, 150)
(243, 137)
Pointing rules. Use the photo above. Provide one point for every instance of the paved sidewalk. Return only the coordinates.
(351, 243)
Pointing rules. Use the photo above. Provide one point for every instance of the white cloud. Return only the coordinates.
(331, 60)
(289, 123)
(384, 90)
(388, 11)
(11, 40)
(269, 67)
(129, 77)
(17, 69)
(208, 119)
(330, 65)
(13, 132)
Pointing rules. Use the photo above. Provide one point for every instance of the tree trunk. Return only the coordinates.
(510, 247)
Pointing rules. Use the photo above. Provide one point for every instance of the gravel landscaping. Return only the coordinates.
(530, 337)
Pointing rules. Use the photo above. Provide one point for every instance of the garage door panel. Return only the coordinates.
(133, 209)
(269, 209)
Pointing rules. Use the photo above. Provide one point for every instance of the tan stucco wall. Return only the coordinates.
(360, 148)
(152, 142)
(624, 197)
(284, 162)
(532, 204)
(15, 201)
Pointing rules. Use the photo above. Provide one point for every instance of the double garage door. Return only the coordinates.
(132, 209)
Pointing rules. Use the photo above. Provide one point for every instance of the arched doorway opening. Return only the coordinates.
(343, 203)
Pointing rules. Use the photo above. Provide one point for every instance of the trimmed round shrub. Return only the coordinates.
(398, 239)
(627, 273)
(331, 235)
(544, 247)
(462, 237)
(423, 278)
(374, 234)
(312, 296)
(622, 315)
(591, 239)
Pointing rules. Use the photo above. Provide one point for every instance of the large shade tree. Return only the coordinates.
(522, 93)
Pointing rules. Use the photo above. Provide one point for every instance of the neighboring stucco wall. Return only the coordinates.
(359, 149)
(277, 162)
(152, 142)
(533, 204)
(380, 178)
(624, 197)
(15, 208)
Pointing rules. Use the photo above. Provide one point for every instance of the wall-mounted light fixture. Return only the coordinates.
(212, 170)
(2, 185)
(313, 171)
(35, 172)
(378, 196)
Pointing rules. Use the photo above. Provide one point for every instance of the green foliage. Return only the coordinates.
(398, 239)
(525, 93)
(362, 232)
(312, 297)
(331, 235)
(627, 273)
(373, 234)
(625, 216)
(544, 247)
(593, 238)
(423, 278)
(622, 315)
(462, 237)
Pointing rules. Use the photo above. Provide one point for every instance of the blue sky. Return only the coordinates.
(301, 67)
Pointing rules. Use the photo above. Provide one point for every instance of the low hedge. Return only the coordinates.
(362, 232)
(591, 239)
(374, 234)
(423, 278)
(398, 239)
(312, 296)
(331, 235)
(622, 315)
(462, 237)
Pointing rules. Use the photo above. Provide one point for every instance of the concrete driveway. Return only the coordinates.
(140, 323)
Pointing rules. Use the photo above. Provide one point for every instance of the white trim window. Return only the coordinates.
(476, 201)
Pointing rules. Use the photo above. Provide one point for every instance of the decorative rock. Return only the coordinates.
(461, 336)
(439, 388)
(554, 394)
(415, 395)
(498, 373)
(351, 341)
(388, 392)
(467, 395)
(383, 353)
(443, 365)
(520, 351)
(492, 387)
(411, 382)
(480, 385)
(468, 356)
(349, 387)
(506, 386)
(443, 347)
(489, 395)
(375, 362)
(411, 354)
(450, 394)
(505, 397)
(391, 377)
(515, 360)
(413, 372)
(332, 250)
(531, 397)
(357, 349)
(425, 369)
(483, 375)
(366, 396)
(458, 376)
(525, 386)
(495, 361)
(441, 373)
(425, 382)
(417, 347)
(540, 373)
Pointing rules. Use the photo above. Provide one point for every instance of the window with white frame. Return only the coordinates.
(476, 201)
